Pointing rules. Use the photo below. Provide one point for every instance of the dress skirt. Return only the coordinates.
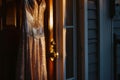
(32, 59)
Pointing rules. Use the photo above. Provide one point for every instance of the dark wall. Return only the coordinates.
(116, 30)
(9, 45)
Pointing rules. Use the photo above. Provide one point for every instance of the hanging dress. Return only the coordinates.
(32, 59)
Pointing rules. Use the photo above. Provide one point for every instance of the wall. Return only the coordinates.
(92, 40)
(97, 59)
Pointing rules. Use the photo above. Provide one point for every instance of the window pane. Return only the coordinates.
(69, 53)
(69, 12)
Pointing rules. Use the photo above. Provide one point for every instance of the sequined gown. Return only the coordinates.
(33, 62)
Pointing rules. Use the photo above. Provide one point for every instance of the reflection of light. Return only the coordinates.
(51, 70)
(64, 11)
(15, 18)
(51, 15)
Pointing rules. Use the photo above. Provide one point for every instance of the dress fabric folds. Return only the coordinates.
(32, 56)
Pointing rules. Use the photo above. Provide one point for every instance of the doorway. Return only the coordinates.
(66, 40)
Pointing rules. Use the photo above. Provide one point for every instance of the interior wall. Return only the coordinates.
(9, 40)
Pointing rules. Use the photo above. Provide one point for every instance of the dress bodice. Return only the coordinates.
(35, 19)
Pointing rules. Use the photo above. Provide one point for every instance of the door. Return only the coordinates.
(50, 39)
(66, 64)
(70, 41)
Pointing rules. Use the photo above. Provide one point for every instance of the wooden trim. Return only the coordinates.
(79, 47)
(115, 56)
(86, 39)
(59, 40)
(105, 39)
(83, 18)
(116, 40)
(75, 40)
(98, 44)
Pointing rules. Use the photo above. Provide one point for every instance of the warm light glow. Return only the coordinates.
(64, 11)
(52, 59)
(51, 16)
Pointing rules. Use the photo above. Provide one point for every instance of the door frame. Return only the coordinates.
(59, 40)
(82, 30)
(105, 41)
